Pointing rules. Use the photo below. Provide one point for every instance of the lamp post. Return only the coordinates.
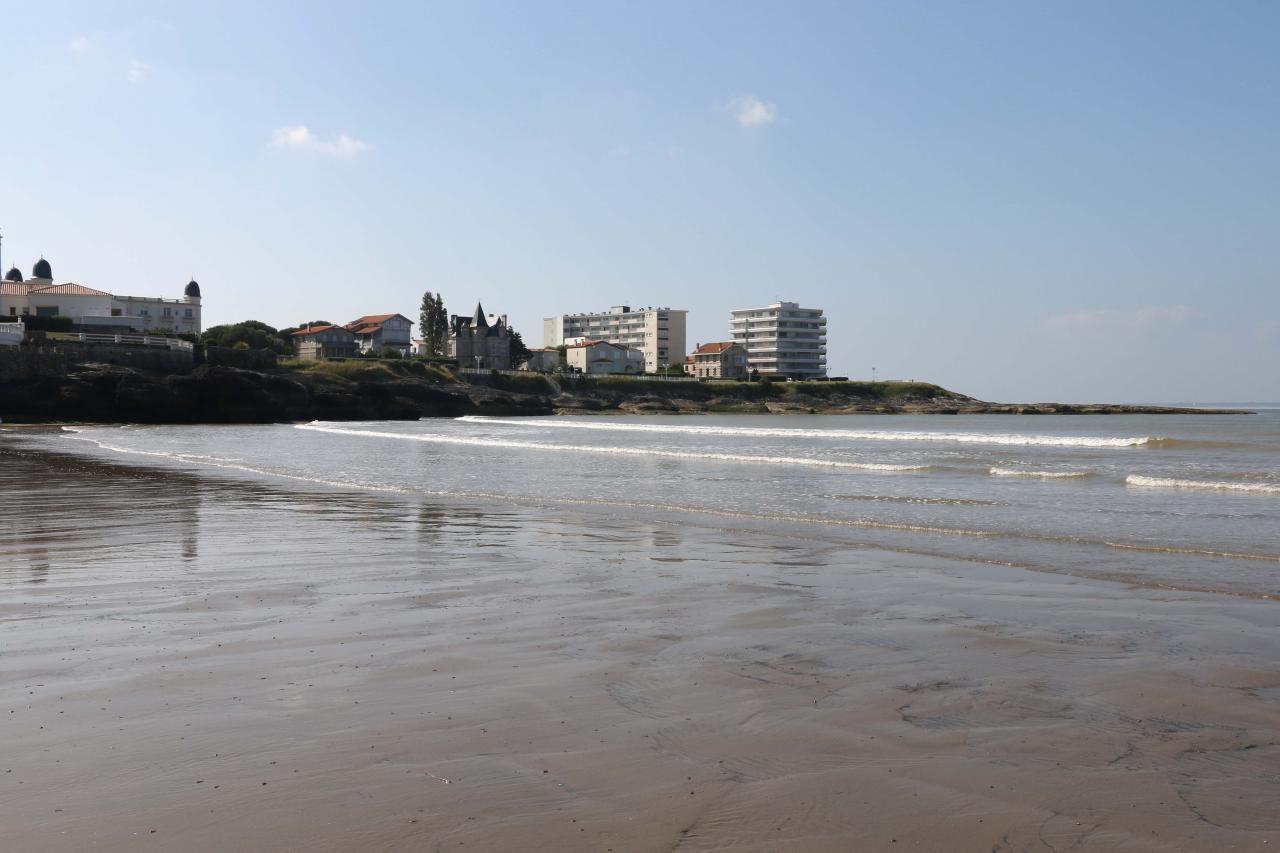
(477, 358)
(873, 374)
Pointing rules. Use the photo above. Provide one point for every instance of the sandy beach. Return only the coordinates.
(200, 664)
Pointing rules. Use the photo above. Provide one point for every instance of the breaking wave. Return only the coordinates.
(1172, 483)
(1007, 439)
(432, 438)
(1046, 475)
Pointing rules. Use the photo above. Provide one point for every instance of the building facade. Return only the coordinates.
(96, 310)
(604, 357)
(320, 342)
(542, 360)
(720, 360)
(382, 331)
(782, 339)
(657, 332)
(478, 342)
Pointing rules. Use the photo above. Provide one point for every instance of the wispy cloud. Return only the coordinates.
(749, 111)
(79, 45)
(1151, 317)
(299, 137)
(137, 71)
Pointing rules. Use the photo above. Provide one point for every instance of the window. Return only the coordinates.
(166, 311)
(46, 310)
(116, 312)
(142, 312)
(187, 314)
(13, 310)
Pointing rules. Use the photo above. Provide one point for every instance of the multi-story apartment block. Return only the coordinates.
(656, 332)
(782, 339)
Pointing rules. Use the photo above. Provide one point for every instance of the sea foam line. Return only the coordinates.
(228, 464)
(432, 438)
(1011, 439)
(1047, 475)
(1172, 483)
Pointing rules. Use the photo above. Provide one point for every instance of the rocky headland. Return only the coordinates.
(57, 389)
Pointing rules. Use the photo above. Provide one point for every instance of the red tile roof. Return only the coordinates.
(372, 322)
(311, 330)
(24, 288)
(713, 349)
(593, 343)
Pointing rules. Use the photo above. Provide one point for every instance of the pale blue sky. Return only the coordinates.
(1017, 200)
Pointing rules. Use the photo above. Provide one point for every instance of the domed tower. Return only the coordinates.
(14, 274)
(42, 270)
(192, 292)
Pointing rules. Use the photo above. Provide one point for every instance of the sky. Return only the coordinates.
(1019, 201)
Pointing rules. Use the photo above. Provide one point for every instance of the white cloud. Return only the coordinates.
(137, 71)
(1152, 317)
(300, 137)
(80, 45)
(750, 111)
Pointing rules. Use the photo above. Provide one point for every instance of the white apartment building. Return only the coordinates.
(782, 339)
(656, 332)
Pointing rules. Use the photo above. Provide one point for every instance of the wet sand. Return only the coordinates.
(195, 664)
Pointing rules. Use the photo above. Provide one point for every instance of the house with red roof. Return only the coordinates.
(382, 331)
(719, 360)
(320, 342)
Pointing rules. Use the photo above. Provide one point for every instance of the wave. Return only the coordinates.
(228, 464)
(1046, 475)
(1172, 483)
(433, 438)
(1007, 439)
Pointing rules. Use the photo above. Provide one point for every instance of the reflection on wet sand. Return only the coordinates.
(215, 665)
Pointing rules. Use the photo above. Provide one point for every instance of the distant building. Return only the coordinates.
(656, 332)
(96, 310)
(542, 360)
(720, 360)
(478, 341)
(382, 331)
(604, 357)
(321, 342)
(688, 365)
(782, 339)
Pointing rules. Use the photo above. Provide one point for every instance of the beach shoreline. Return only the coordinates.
(200, 662)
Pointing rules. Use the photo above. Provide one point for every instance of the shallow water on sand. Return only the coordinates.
(433, 636)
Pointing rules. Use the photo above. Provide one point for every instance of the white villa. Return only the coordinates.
(96, 310)
(603, 357)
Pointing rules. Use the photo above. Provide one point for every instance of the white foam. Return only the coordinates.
(1008, 439)
(228, 464)
(434, 438)
(1171, 483)
(1047, 475)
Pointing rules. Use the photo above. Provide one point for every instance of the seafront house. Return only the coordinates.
(480, 341)
(382, 331)
(656, 332)
(542, 360)
(92, 310)
(782, 339)
(316, 343)
(603, 357)
(720, 360)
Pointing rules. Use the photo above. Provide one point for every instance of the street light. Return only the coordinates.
(873, 374)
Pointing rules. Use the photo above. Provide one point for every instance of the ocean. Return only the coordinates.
(1188, 502)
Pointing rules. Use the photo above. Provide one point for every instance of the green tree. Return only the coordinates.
(252, 333)
(433, 323)
(519, 352)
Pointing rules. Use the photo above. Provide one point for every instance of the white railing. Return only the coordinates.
(127, 340)
(11, 334)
